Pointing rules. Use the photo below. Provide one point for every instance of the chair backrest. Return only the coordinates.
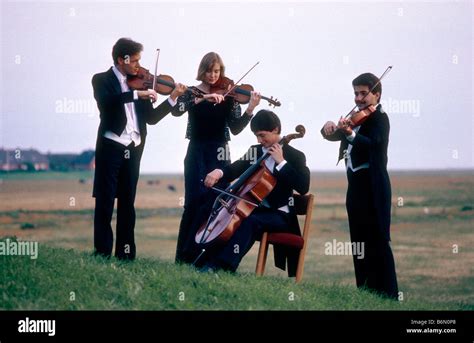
(301, 203)
(304, 206)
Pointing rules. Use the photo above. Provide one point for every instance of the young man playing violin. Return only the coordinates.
(368, 199)
(288, 166)
(121, 137)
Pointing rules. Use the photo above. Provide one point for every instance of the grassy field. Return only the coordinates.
(432, 240)
(84, 282)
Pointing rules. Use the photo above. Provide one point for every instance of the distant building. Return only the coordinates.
(19, 159)
(33, 160)
(69, 162)
(85, 161)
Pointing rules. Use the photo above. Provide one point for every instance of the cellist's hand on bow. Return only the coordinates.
(277, 153)
(213, 177)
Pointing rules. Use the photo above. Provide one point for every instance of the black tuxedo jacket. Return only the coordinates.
(111, 100)
(370, 145)
(294, 176)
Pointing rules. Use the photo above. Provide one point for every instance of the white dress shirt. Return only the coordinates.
(131, 133)
(270, 163)
(350, 138)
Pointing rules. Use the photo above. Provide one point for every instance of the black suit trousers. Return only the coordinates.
(229, 256)
(116, 176)
(376, 270)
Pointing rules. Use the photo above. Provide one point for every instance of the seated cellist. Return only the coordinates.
(288, 166)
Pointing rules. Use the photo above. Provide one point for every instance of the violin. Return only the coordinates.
(241, 94)
(163, 84)
(359, 117)
(238, 200)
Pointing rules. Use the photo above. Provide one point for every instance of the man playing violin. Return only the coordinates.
(368, 199)
(288, 166)
(121, 137)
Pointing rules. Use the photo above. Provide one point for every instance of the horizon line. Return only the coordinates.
(343, 171)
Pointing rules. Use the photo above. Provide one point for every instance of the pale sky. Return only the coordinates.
(308, 52)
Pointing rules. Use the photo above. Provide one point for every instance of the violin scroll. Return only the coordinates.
(273, 102)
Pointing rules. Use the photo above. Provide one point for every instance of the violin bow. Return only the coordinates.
(233, 196)
(370, 91)
(156, 68)
(235, 84)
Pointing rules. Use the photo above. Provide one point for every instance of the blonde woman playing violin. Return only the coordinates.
(211, 119)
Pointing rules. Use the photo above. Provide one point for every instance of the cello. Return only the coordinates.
(238, 200)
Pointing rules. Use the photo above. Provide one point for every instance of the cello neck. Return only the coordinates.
(249, 172)
(246, 174)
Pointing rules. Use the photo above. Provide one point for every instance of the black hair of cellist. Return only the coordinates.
(265, 120)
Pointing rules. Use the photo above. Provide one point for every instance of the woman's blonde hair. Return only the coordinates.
(207, 63)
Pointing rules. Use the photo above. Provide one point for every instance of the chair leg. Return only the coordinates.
(265, 254)
(262, 255)
(300, 267)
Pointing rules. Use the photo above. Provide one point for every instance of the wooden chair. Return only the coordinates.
(303, 205)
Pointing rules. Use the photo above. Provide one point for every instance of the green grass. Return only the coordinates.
(62, 279)
(436, 215)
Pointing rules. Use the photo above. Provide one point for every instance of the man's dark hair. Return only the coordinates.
(369, 80)
(265, 120)
(125, 47)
